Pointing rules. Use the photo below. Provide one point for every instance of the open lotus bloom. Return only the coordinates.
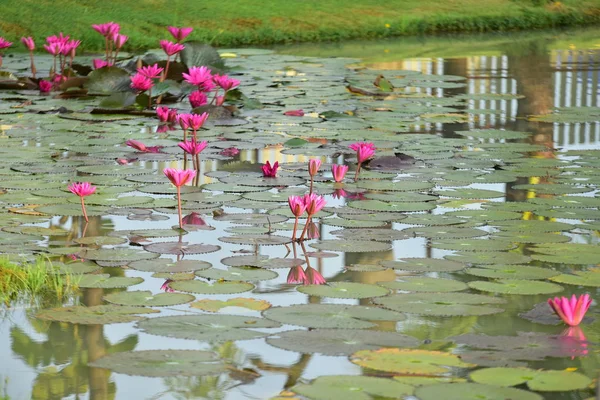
(270, 171)
(572, 310)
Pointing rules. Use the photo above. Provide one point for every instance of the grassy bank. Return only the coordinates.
(243, 22)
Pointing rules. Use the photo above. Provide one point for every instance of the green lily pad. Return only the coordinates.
(534, 226)
(424, 284)
(352, 388)
(424, 265)
(95, 315)
(216, 305)
(494, 134)
(441, 304)
(336, 316)
(105, 281)
(542, 381)
(512, 272)
(335, 342)
(264, 240)
(146, 298)
(72, 210)
(208, 328)
(402, 186)
(473, 391)
(352, 223)
(490, 257)
(195, 286)
(344, 290)
(516, 286)
(181, 248)
(100, 240)
(351, 246)
(169, 266)
(377, 205)
(473, 245)
(162, 363)
(580, 278)
(117, 254)
(410, 362)
(531, 237)
(238, 274)
(445, 232)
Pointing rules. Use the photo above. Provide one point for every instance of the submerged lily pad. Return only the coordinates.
(95, 315)
(344, 290)
(162, 363)
(352, 387)
(411, 362)
(208, 328)
(146, 298)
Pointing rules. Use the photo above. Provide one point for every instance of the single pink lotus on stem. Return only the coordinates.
(4, 44)
(45, 86)
(339, 171)
(364, 151)
(270, 171)
(230, 152)
(119, 40)
(179, 33)
(313, 277)
(192, 147)
(313, 167)
(98, 63)
(193, 219)
(28, 43)
(162, 113)
(296, 275)
(196, 121)
(198, 99)
(141, 83)
(69, 48)
(166, 288)
(151, 71)
(60, 38)
(53, 48)
(197, 76)
(297, 207)
(314, 203)
(294, 113)
(226, 83)
(171, 48)
(179, 177)
(82, 190)
(572, 310)
(172, 116)
(107, 29)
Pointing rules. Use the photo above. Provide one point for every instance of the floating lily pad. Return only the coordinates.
(238, 274)
(441, 304)
(473, 245)
(264, 240)
(512, 272)
(208, 328)
(352, 387)
(105, 281)
(119, 254)
(217, 305)
(411, 362)
(95, 315)
(181, 248)
(445, 232)
(533, 226)
(580, 278)
(336, 316)
(261, 261)
(473, 391)
(252, 219)
(538, 380)
(146, 298)
(531, 237)
(350, 246)
(516, 286)
(169, 266)
(424, 265)
(162, 363)
(377, 205)
(491, 257)
(366, 234)
(493, 134)
(344, 290)
(424, 284)
(101, 240)
(72, 210)
(402, 186)
(352, 223)
(200, 287)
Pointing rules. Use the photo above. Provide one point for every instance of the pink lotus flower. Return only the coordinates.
(98, 63)
(68, 48)
(184, 121)
(294, 113)
(28, 43)
(45, 86)
(198, 99)
(196, 121)
(142, 147)
(270, 171)
(314, 203)
(4, 44)
(224, 82)
(192, 147)
(297, 205)
(197, 76)
(172, 116)
(571, 311)
(151, 71)
(339, 171)
(163, 113)
(296, 275)
(364, 150)
(179, 177)
(313, 277)
(60, 39)
(171, 48)
(219, 100)
(230, 152)
(193, 219)
(119, 40)
(82, 190)
(166, 288)
(108, 29)
(179, 33)
(53, 48)
(313, 166)
(140, 83)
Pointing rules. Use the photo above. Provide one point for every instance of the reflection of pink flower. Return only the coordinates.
(355, 196)
(45, 86)
(571, 311)
(179, 33)
(339, 193)
(193, 219)
(313, 231)
(313, 277)
(197, 99)
(270, 171)
(230, 152)
(296, 275)
(573, 341)
(294, 113)
(166, 288)
(339, 171)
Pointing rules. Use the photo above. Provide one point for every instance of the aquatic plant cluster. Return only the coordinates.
(103, 170)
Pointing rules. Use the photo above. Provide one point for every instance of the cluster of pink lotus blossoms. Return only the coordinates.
(113, 40)
(205, 82)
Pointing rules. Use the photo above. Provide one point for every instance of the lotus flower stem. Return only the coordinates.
(310, 190)
(308, 219)
(294, 231)
(357, 172)
(84, 211)
(33, 70)
(179, 207)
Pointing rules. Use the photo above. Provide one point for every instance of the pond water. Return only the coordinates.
(447, 262)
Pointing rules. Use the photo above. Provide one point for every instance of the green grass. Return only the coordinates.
(35, 282)
(245, 22)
